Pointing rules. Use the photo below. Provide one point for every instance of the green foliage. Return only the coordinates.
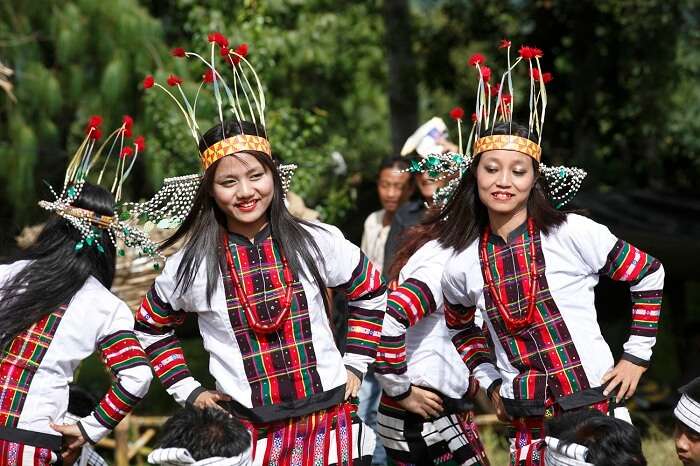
(624, 103)
(71, 59)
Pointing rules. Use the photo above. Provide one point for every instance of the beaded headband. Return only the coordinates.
(242, 97)
(508, 142)
(563, 182)
(85, 158)
(233, 145)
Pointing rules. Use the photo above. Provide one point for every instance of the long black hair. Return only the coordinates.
(465, 216)
(56, 271)
(205, 223)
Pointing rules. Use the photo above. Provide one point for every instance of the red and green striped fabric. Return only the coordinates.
(155, 316)
(364, 325)
(470, 341)
(630, 264)
(121, 350)
(407, 304)
(20, 361)
(543, 352)
(280, 366)
(115, 405)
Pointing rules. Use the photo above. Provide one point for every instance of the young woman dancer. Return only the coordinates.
(530, 271)
(55, 310)
(257, 279)
(425, 414)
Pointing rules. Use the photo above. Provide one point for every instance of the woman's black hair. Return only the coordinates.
(610, 441)
(56, 271)
(465, 216)
(205, 223)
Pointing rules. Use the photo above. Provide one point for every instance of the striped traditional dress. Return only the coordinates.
(556, 361)
(288, 384)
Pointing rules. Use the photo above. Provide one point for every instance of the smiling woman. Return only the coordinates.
(529, 271)
(257, 277)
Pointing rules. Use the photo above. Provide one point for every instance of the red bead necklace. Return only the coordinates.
(512, 323)
(286, 301)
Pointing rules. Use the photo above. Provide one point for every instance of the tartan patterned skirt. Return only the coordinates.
(409, 439)
(334, 436)
(19, 454)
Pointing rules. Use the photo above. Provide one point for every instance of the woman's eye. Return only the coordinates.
(519, 172)
(256, 176)
(491, 170)
(228, 183)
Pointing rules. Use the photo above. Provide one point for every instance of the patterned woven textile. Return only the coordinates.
(280, 366)
(334, 436)
(630, 264)
(411, 440)
(20, 361)
(17, 454)
(543, 352)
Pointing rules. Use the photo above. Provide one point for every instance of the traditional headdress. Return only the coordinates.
(494, 104)
(87, 156)
(688, 408)
(572, 454)
(182, 457)
(239, 95)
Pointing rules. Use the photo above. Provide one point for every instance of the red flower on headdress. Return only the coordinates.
(126, 152)
(223, 51)
(208, 76)
(546, 77)
(178, 52)
(242, 50)
(94, 121)
(457, 113)
(528, 53)
(219, 38)
(148, 82)
(473, 117)
(174, 80)
(506, 98)
(140, 143)
(495, 88)
(127, 121)
(477, 59)
(93, 127)
(505, 43)
(485, 73)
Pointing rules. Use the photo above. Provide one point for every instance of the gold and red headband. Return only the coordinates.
(508, 142)
(233, 145)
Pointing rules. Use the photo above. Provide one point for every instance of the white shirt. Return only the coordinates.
(415, 315)
(574, 255)
(344, 264)
(94, 319)
(374, 237)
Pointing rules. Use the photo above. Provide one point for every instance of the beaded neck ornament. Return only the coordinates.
(494, 104)
(87, 222)
(239, 95)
